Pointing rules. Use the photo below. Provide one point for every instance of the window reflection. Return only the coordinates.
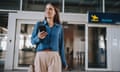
(10, 4)
(3, 45)
(26, 49)
(3, 37)
(112, 6)
(39, 5)
(74, 37)
(97, 47)
(83, 6)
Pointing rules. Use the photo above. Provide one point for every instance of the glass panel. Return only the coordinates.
(26, 49)
(112, 6)
(83, 6)
(97, 47)
(3, 37)
(39, 5)
(74, 37)
(10, 4)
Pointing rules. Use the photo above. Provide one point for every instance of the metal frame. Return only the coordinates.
(103, 6)
(18, 26)
(21, 4)
(107, 55)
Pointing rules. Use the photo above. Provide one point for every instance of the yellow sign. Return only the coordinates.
(94, 18)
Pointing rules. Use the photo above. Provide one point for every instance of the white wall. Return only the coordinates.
(114, 47)
(10, 42)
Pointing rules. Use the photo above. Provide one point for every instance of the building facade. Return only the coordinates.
(88, 46)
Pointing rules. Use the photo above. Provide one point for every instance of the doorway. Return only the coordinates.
(75, 46)
(74, 39)
(97, 48)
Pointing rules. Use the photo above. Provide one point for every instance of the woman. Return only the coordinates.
(50, 42)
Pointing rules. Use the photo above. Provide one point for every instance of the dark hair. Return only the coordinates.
(56, 17)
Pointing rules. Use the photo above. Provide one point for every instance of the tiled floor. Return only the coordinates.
(26, 71)
(1, 70)
(63, 71)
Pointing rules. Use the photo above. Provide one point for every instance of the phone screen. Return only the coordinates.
(42, 28)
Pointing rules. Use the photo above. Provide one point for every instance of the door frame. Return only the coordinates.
(12, 24)
(108, 54)
(17, 34)
(18, 26)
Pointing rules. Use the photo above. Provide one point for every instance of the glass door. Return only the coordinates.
(24, 50)
(97, 48)
(74, 39)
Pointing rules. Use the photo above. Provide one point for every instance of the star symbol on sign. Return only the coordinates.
(95, 18)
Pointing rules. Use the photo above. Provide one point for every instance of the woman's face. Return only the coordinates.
(49, 11)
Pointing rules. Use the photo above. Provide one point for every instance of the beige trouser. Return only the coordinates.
(47, 61)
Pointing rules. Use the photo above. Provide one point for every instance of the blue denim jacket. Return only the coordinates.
(54, 40)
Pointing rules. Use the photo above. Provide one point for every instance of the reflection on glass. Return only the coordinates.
(4, 21)
(97, 47)
(112, 6)
(3, 45)
(74, 37)
(10, 4)
(83, 6)
(3, 37)
(39, 5)
(26, 49)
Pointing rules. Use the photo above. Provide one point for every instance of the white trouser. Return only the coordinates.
(47, 61)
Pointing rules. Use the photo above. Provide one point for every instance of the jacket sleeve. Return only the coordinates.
(61, 46)
(34, 39)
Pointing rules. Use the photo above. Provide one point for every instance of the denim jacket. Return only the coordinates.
(54, 40)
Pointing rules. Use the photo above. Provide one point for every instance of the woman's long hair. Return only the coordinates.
(56, 17)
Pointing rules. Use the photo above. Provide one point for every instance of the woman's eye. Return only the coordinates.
(48, 9)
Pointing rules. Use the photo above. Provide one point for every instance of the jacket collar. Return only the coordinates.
(46, 23)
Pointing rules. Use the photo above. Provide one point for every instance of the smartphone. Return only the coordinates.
(42, 28)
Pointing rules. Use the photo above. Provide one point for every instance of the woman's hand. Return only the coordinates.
(42, 34)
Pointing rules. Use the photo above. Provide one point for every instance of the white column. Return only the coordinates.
(10, 42)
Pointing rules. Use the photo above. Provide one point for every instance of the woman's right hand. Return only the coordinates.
(42, 34)
(66, 67)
